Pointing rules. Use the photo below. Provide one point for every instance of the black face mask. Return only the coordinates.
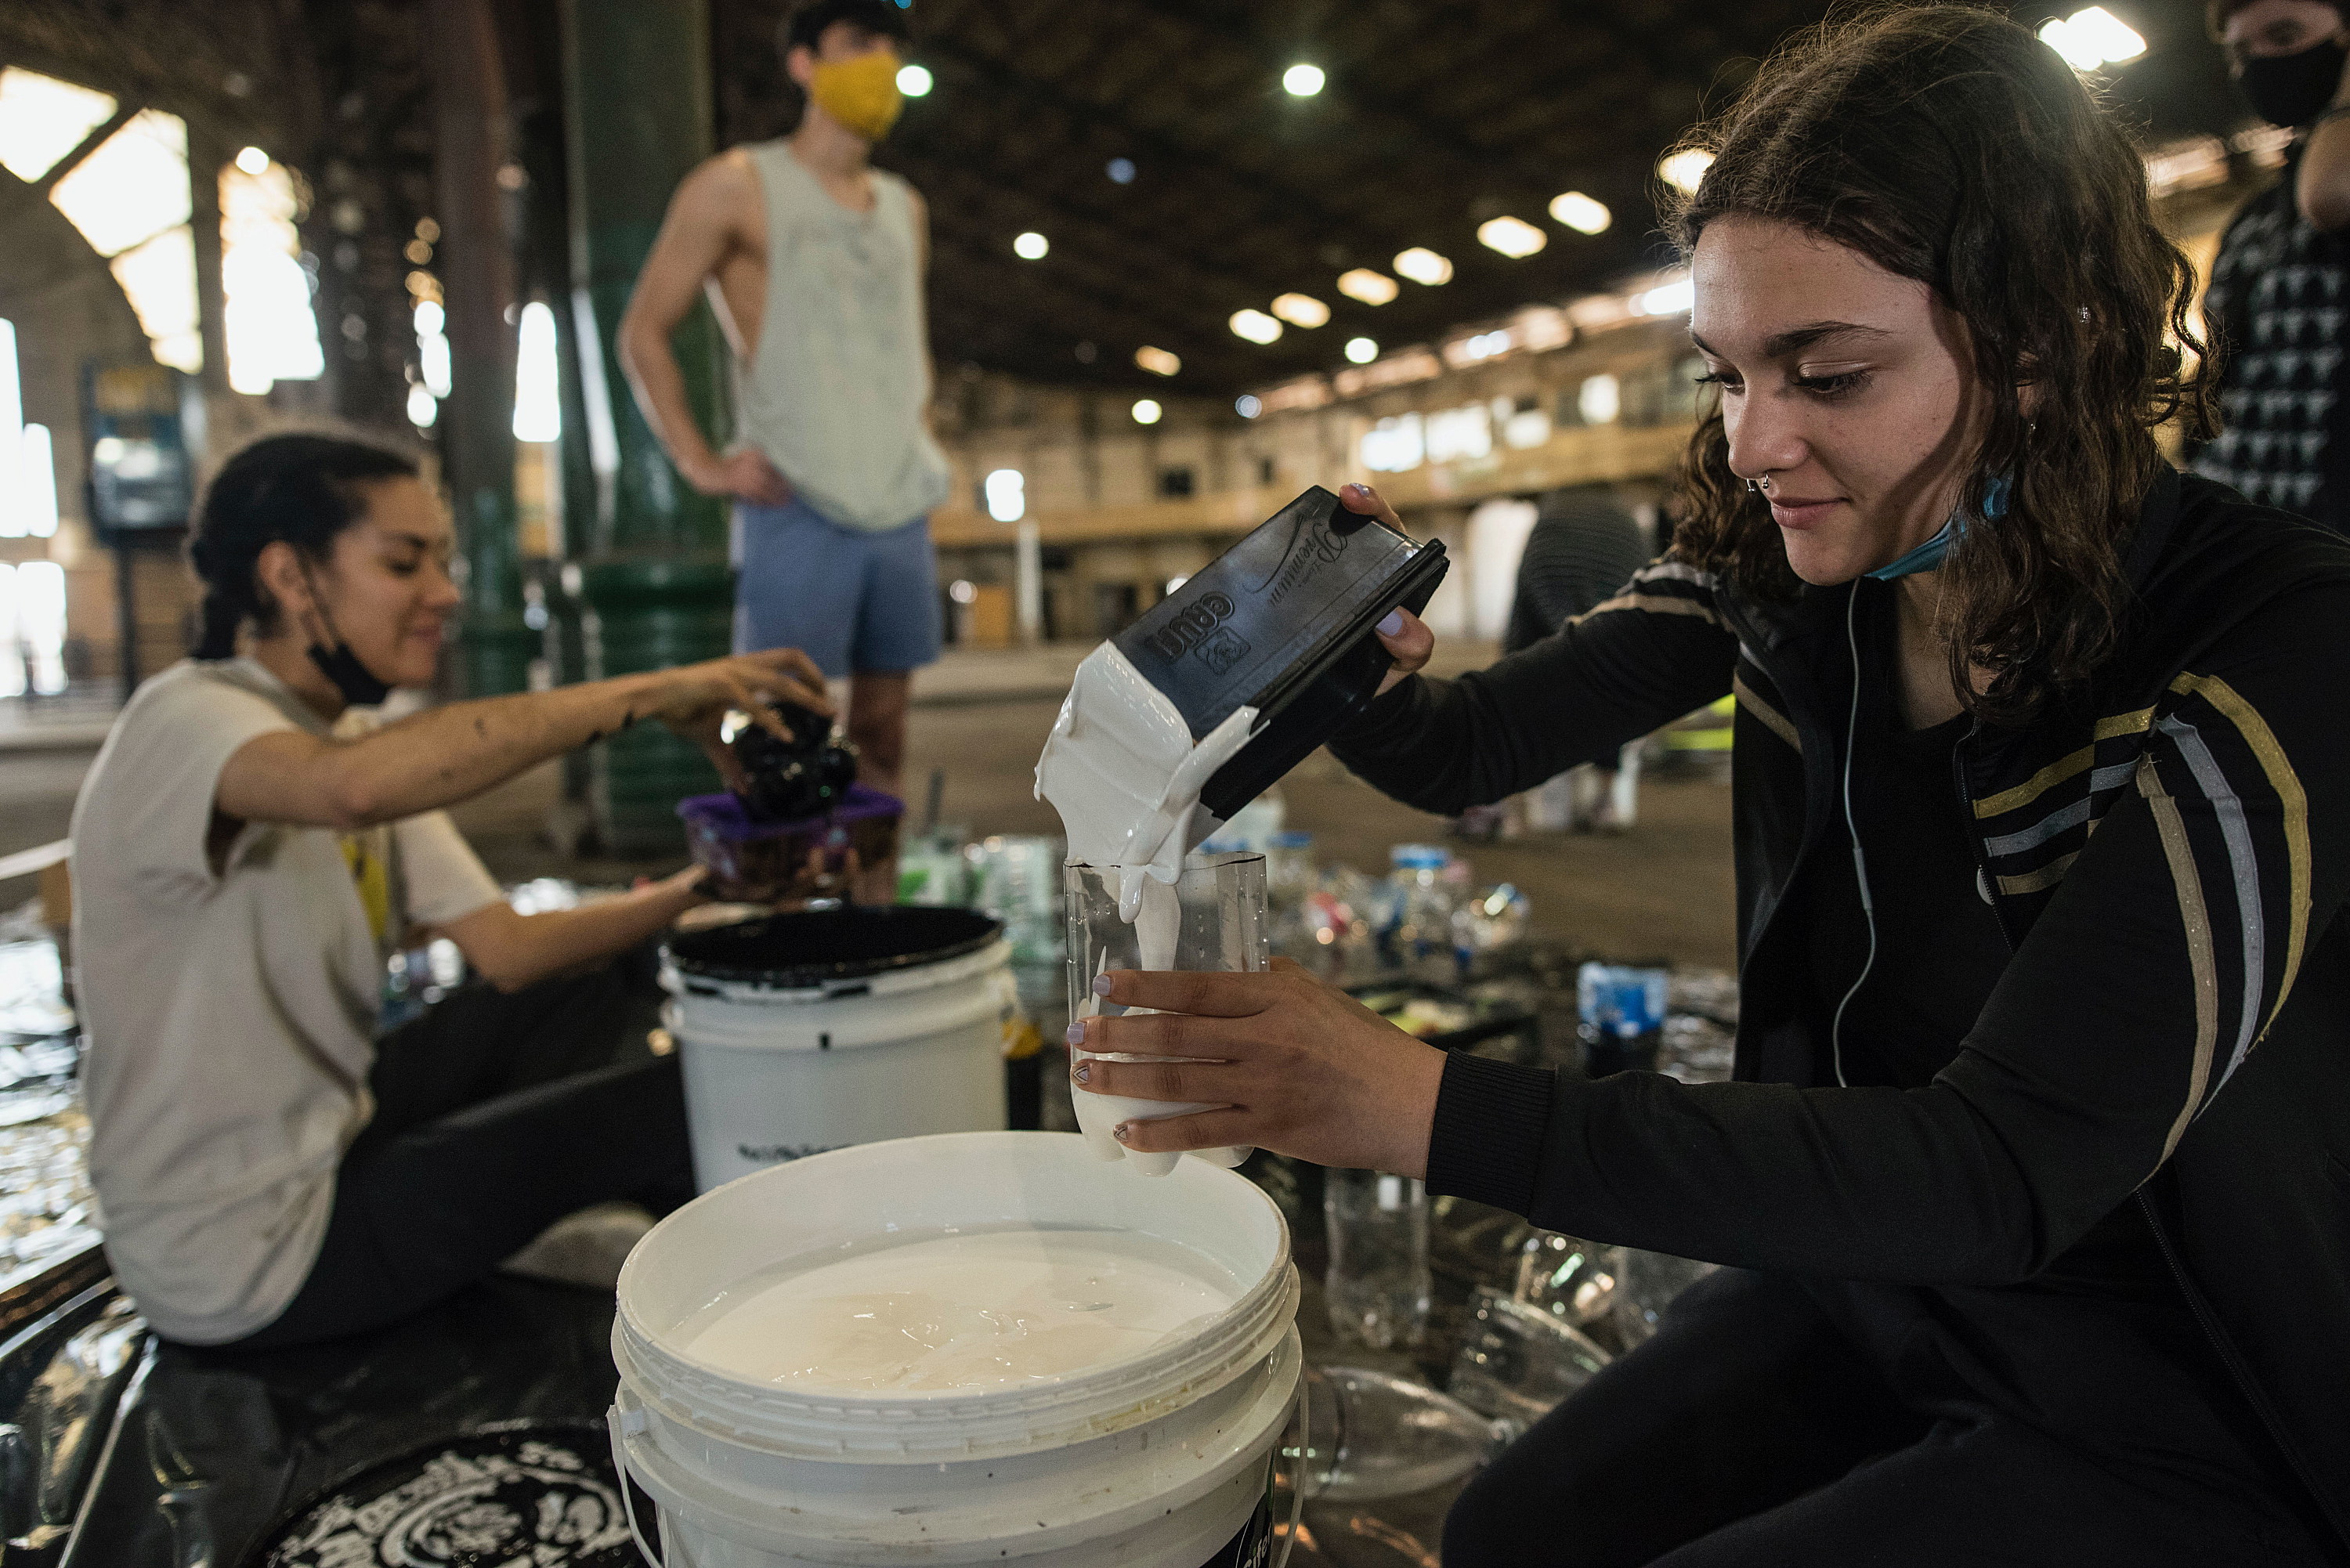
(2293, 90)
(355, 680)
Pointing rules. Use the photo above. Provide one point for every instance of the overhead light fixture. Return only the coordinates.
(1031, 246)
(1248, 405)
(1302, 80)
(252, 160)
(1121, 171)
(1301, 310)
(2094, 37)
(1513, 237)
(422, 408)
(1157, 361)
(915, 81)
(1361, 350)
(1423, 265)
(1146, 411)
(1255, 325)
(1683, 170)
(1667, 300)
(1584, 215)
(1368, 286)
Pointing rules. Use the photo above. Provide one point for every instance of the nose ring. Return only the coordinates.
(1752, 487)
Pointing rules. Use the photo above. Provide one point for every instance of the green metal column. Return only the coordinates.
(654, 582)
(472, 141)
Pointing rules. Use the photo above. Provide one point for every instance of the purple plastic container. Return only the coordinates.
(758, 858)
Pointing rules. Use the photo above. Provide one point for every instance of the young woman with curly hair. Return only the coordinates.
(2032, 1185)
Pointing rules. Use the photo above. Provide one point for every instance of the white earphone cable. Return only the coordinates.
(1859, 861)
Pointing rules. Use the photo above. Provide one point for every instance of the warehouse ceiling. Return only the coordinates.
(1435, 116)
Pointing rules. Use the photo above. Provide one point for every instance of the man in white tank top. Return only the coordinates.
(813, 261)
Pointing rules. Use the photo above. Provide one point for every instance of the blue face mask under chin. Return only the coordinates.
(1929, 556)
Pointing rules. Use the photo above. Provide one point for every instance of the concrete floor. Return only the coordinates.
(1661, 890)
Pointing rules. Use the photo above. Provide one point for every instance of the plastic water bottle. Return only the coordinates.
(1378, 1284)
(1419, 928)
(1623, 1017)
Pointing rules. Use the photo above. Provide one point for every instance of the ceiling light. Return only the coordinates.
(915, 81)
(252, 160)
(1513, 237)
(1121, 171)
(1582, 213)
(1146, 411)
(1683, 170)
(1301, 310)
(43, 119)
(1424, 266)
(1370, 287)
(1255, 325)
(1157, 361)
(1301, 80)
(1361, 350)
(1248, 405)
(422, 408)
(1667, 299)
(1031, 246)
(2091, 38)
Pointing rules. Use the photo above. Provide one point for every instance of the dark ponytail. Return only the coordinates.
(302, 489)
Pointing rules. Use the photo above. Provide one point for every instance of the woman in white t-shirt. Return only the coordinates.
(246, 859)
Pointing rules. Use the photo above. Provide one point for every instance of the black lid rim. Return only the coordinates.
(680, 950)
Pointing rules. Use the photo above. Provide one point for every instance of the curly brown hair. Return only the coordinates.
(1949, 145)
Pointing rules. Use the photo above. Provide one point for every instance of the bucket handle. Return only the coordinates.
(623, 1424)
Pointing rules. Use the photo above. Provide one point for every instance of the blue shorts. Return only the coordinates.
(857, 602)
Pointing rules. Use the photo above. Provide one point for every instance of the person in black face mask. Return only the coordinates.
(2278, 302)
(282, 1160)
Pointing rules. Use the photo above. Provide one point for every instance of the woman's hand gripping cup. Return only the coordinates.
(1289, 1064)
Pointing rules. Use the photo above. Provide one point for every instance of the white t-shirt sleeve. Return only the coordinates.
(445, 880)
(166, 765)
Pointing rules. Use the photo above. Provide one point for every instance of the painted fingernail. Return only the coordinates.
(1101, 986)
(1121, 1131)
(1076, 1034)
(1391, 623)
(1085, 1073)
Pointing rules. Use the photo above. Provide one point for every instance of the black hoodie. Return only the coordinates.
(2166, 850)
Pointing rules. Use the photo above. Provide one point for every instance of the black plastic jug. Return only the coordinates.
(1282, 622)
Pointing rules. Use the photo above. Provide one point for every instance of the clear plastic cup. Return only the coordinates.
(1210, 917)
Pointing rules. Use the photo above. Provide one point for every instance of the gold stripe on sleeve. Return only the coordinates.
(2197, 920)
(1769, 717)
(2287, 784)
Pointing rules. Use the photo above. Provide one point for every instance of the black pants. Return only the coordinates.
(1749, 1434)
(495, 1116)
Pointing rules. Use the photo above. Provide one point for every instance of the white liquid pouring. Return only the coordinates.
(963, 1313)
(1122, 770)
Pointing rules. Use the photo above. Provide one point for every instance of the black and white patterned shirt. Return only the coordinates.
(2278, 305)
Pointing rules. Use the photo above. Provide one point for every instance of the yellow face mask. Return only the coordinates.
(860, 93)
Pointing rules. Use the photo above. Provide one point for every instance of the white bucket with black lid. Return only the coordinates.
(1163, 1459)
(813, 1031)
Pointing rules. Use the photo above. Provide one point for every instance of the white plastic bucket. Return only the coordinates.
(1163, 1461)
(804, 1033)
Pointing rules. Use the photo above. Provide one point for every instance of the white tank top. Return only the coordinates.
(835, 389)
